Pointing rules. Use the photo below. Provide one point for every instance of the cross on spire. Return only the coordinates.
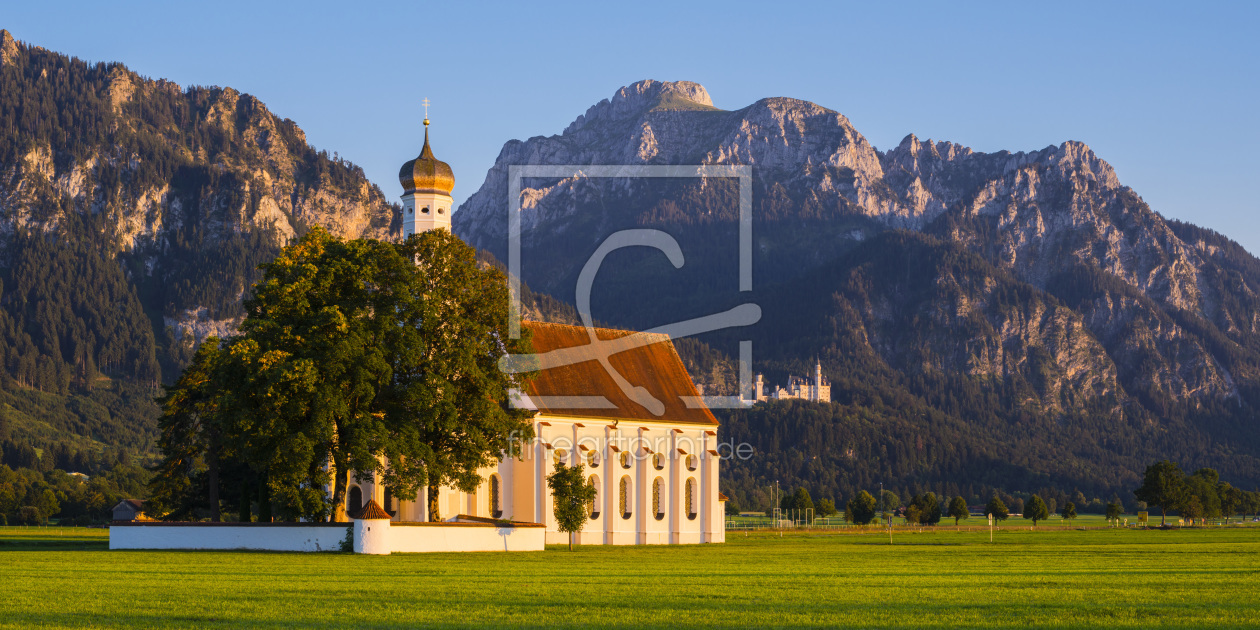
(425, 102)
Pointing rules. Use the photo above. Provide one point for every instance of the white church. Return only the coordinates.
(655, 470)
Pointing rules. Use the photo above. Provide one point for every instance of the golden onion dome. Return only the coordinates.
(426, 174)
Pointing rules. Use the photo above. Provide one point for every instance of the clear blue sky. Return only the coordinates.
(1166, 92)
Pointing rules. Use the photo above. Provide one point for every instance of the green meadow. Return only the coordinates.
(1053, 577)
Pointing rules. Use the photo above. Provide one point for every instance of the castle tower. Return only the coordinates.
(427, 184)
(816, 395)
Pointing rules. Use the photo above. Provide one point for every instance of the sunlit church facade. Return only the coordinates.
(655, 470)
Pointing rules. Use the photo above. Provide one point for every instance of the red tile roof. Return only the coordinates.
(654, 366)
(371, 511)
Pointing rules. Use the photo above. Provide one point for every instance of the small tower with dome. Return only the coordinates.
(427, 184)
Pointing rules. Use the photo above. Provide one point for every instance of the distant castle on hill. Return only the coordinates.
(819, 390)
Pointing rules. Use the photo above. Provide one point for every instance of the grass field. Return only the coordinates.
(1050, 578)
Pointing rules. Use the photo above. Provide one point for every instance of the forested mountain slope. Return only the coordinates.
(133, 213)
(1028, 300)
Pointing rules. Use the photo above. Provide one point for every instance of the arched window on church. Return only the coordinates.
(658, 461)
(625, 460)
(558, 457)
(623, 497)
(692, 462)
(496, 507)
(594, 482)
(592, 459)
(389, 503)
(690, 499)
(658, 508)
(354, 502)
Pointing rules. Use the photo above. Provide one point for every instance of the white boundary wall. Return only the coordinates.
(402, 537)
(465, 537)
(264, 537)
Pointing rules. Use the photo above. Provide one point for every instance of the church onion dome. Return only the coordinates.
(426, 174)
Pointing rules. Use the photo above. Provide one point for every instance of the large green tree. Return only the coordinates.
(1250, 503)
(190, 440)
(927, 508)
(362, 357)
(958, 509)
(799, 501)
(861, 508)
(1164, 485)
(1036, 509)
(1069, 511)
(1205, 484)
(1114, 511)
(826, 507)
(997, 509)
(1231, 499)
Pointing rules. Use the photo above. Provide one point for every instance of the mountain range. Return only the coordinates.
(133, 215)
(988, 321)
(1029, 295)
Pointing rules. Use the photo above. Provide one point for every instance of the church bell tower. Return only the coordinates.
(427, 184)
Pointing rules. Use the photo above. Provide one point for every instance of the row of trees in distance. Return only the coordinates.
(1195, 497)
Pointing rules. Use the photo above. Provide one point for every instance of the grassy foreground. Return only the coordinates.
(1101, 578)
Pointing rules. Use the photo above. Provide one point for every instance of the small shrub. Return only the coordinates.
(347, 543)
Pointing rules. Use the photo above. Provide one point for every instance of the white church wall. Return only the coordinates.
(524, 495)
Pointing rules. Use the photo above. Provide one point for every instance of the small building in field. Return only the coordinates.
(129, 510)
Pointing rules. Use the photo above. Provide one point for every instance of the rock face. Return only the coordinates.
(1118, 304)
(187, 189)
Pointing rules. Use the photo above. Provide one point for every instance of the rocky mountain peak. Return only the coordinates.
(8, 47)
(1074, 159)
(647, 95)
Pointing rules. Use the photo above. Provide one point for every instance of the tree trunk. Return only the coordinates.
(212, 462)
(434, 514)
(341, 480)
(243, 512)
(264, 501)
(570, 541)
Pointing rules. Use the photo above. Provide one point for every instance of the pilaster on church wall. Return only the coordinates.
(611, 478)
(674, 483)
(641, 491)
